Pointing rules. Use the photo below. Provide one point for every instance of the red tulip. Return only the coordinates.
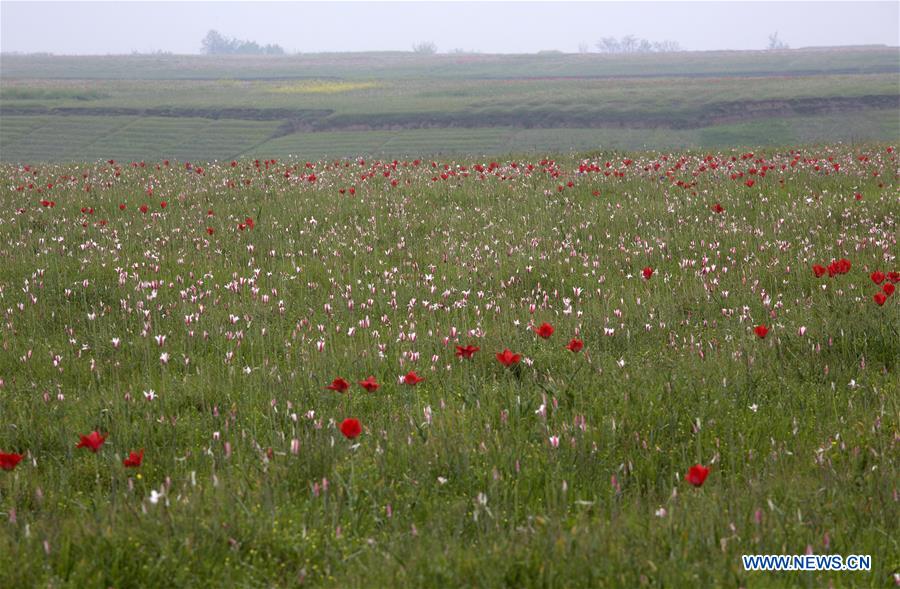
(134, 459)
(575, 345)
(370, 384)
(507, 358)
(412, 379)
(544, 331)
(696, 475)
(877, 277)
(466, 351)
(819, 270)
(144, 208)
(894, 277)
(339, 384)
(92, 441)
(351, 428)
(841, 266)
(648, 272)
(880, 298)
(163, 204)
(761, 331)
(9, 461)
(717, 208)
(888, 289)
(210, 230)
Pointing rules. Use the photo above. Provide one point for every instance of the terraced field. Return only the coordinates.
(69, 109)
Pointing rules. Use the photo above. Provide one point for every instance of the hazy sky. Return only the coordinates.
(490, 27)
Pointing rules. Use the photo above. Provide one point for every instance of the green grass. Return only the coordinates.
(456, 481)
(48, 138)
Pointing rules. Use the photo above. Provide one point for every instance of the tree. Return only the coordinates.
(425, 48)
(609, 45)
(632, 44)
(775, 43)
(629, 44)
(666, 46)
(214, 43)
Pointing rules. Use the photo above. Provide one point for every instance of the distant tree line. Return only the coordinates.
(632, 44)
(214, 43)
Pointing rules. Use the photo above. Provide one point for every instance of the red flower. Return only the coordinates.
(648, 272)
(894, 277)
(836, 267)
(92, 441)
(696, 475)
(339, 384)
(412, 379)
(144, 208)
(761, 331)
(888, 289)
(249, 222)
(819, 270)
(575, 345)
(545, 330)
(210, 230)
(369, 384)
(351, 428)
(877, 277)
(163, 204)
(134, 459)
(122, 207)
(507, 358)
(749, 183)
(880, 298)
(717, 208)
(466, 351)
(9, 461)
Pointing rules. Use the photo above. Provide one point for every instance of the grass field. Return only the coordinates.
(197, 316)
(85, 108)
(46, 138)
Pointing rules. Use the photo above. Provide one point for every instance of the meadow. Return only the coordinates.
(67, 109)
(612, 370)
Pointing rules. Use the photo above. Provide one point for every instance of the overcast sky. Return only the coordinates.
(490, 27)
